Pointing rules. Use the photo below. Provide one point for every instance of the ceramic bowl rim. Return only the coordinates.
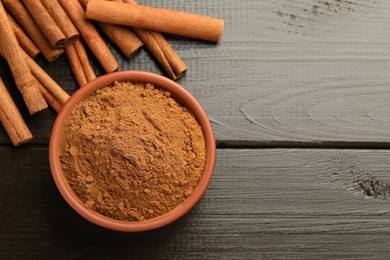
(180, 94)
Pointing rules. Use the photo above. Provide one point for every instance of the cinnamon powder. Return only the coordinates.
(131, 152)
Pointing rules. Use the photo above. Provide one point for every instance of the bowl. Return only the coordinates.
(178, 92)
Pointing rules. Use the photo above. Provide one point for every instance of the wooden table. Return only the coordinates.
(299, 96)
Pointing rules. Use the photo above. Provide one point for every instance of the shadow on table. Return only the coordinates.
(71, 234)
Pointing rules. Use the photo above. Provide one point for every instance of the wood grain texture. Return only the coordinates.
(302, 71)
(310, 72)
(269, 203)
(306, 73)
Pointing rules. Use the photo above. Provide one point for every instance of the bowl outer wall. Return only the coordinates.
(178, 92)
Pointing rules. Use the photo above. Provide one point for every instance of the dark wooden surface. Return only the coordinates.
(298, 93)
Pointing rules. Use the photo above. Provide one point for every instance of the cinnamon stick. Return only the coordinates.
(161, 50)
(153, 46)
(24, 80)
(50, 99)
(86, 65)
(157, 19)
(11, 119)
(170, 59)
(122, 37)
(62, 19)
(75, 65)
(89, 33)
(24, 41)
(46, 23)
(17, 9)
(41, 75)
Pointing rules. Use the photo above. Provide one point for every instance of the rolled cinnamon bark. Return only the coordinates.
(50, 99)
(24, 80)
(11, 119)
(24, 41)
(75, 65)
(86, 65)
(62, 19)
(161, 50)
(89, 33)
(157, 19)
(41, 75)
(177, 65)
(122, 37)
(46, 23)
(17, 9)
(154, 48)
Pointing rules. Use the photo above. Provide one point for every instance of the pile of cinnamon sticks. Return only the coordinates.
(54, 27)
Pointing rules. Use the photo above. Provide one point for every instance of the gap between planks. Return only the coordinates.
(223, 145)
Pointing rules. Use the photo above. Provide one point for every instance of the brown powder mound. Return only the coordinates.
(131, 152)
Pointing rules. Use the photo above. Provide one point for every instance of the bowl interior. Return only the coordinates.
(178, 92)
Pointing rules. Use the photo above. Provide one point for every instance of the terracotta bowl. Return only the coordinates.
(185, 98)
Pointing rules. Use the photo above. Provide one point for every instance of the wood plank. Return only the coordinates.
(291, 75)
(307, 72)
(268, 203)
